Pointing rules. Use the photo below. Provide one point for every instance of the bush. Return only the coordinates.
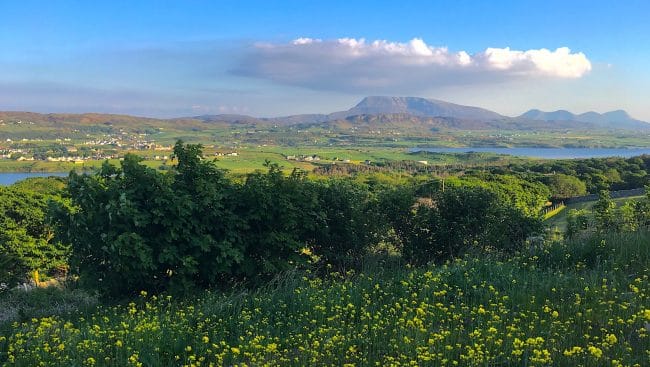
(464, 218)
(134, 228)
(278, 212)
(346, 222)
(26, 237)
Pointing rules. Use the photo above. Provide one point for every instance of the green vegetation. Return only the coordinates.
(392, 264)
(27, 241)
(595, 174)
(580, 303)
(584, 209)
(134, 228)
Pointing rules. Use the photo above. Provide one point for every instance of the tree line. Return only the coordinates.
(128, 228)
(133, 228)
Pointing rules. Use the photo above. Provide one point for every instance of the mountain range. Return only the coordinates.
(398, 107)
(374, 111)
(618, 118)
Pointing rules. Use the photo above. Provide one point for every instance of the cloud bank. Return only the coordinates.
(355, 65)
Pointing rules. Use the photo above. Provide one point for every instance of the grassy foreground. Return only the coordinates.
(584, 303)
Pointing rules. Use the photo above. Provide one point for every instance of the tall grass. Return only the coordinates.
(580, 303)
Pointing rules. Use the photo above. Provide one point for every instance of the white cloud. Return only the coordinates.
(358, 65)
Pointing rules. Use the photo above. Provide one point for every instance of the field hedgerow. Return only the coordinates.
(584, 303)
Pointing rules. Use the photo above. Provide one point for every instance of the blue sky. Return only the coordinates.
(175, 58)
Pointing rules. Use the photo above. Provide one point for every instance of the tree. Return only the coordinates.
(577, 220)
(604, 212)
(564, 186)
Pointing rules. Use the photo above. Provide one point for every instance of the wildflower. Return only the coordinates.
(611, 339)
(595, 351)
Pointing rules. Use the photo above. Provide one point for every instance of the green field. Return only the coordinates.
(253, 158)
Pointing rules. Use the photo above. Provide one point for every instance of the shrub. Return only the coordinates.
(465, 218)
(134, 228)
(26, 237)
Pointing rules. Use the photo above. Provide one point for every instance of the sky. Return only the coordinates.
(274, 58)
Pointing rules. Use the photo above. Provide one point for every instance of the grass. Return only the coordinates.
(583, 303)
(23, 305)
(251, 158)
(554, 212)
(559, 220)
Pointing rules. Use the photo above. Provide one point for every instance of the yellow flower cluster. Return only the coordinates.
(472, 312)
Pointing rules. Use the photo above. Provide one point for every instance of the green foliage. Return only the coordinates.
(278, 212)
(596, 173)
(577, 220)
(604, 212)
(458, 220)
(51, 186)
(541, 308)
(526, 195)
(347, 224)
(134, 228)
(19, 305)
(26, 238)
(564, 186)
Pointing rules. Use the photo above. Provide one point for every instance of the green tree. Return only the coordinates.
(564, 186)
(604, 212)
(577, 220)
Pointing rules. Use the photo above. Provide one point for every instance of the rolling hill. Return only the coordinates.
(612, 120)
(411, 113)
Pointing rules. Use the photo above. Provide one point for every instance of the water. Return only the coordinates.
(548, 153)
(10, 178)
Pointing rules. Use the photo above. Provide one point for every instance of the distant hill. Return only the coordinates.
(408, 113)
(614, 119)
(417, 107)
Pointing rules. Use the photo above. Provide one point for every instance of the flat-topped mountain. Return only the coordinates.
(612, 119)
(417, 107)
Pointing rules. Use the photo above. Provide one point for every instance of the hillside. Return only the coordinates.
(613, 119)
(412, 114)
(417, 107)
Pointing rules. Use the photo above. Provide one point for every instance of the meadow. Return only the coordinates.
(580, 303)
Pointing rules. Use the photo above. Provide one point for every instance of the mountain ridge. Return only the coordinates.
(402, 110)
(618, 117)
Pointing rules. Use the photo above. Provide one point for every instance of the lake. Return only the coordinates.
(547, 153)
(10, 178)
